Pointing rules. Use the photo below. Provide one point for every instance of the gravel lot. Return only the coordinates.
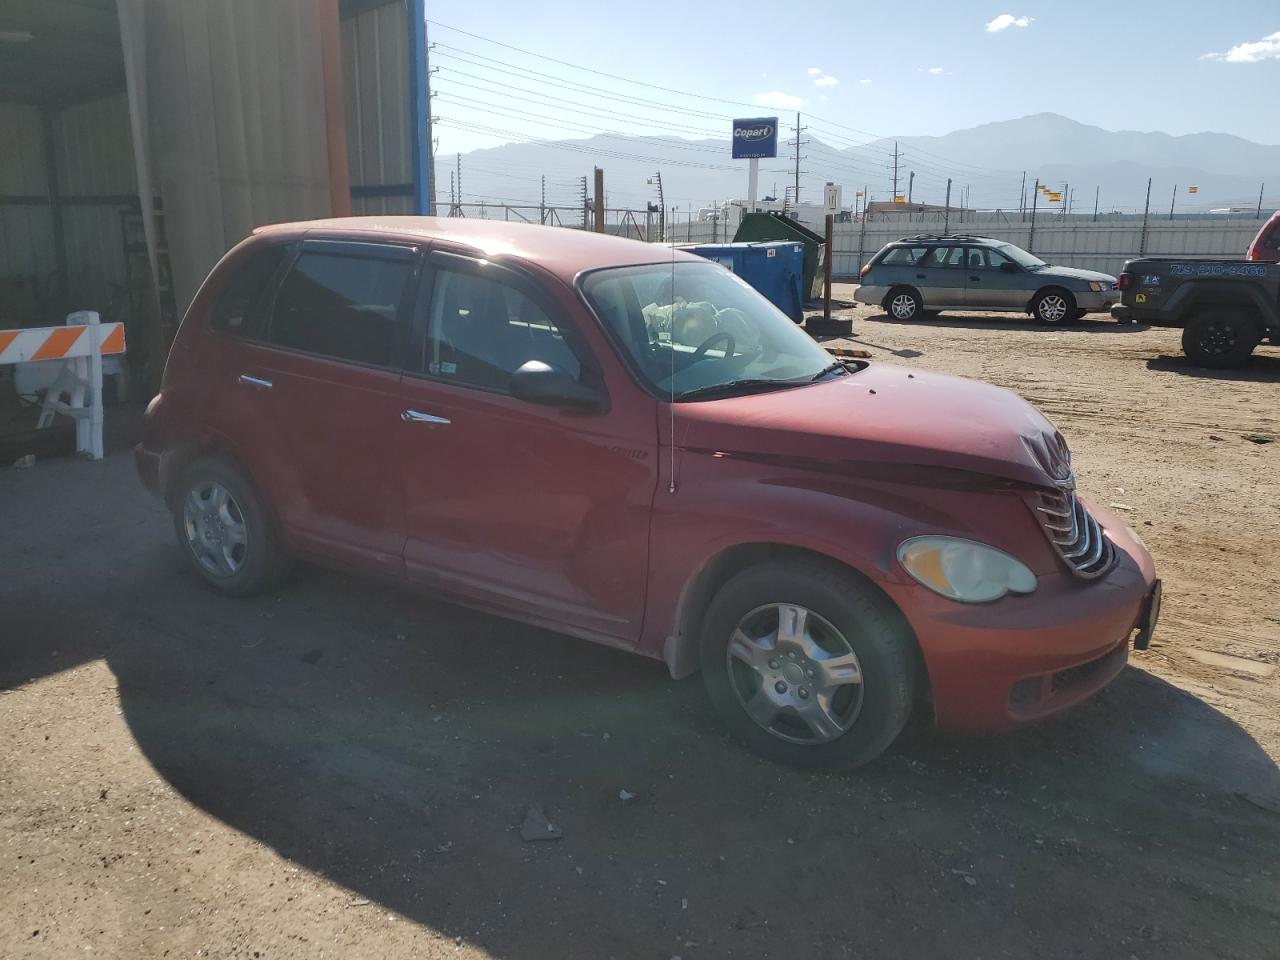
(342, 769)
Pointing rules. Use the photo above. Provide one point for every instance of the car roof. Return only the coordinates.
(560, 250)
(948, 238)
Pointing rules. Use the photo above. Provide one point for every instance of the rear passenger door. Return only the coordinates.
(944, 283)
(319, 396)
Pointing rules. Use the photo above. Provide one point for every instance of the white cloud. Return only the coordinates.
(1007, 20)
(865, 80)
(936, 71)
(815, 71)
(827, 81)
(1268, 48)
(779, 100)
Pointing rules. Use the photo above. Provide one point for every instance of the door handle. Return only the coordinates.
(976, 279)
(919, 276)
(417, 416)
(258, 382)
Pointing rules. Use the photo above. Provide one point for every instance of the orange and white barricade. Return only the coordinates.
(80, 346)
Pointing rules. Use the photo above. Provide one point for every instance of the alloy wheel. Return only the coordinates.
(1052, 308)
(903, 306)
(215, 529)
(794, 674)
(1217, 338)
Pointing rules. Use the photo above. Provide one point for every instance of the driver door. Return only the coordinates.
(528, 508)
(991, 285)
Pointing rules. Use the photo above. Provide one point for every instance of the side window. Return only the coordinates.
(947, 257)
(242, 307)
(996, 260)
(904, 256)
(480, 331)
(341, 306)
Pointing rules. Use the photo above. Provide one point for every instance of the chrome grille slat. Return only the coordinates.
(1074, 533)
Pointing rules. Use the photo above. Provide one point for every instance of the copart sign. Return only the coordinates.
(755, 139)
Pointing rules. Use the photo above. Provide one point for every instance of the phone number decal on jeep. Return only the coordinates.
(1217, 270)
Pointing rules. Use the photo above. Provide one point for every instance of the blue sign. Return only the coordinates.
(755, 139)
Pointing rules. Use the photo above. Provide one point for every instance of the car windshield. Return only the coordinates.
(1028, 261)
(696, 331)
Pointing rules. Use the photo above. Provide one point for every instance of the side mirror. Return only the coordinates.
(539, 382)
(1010, 267)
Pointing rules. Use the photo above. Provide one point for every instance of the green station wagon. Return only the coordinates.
(923, 275)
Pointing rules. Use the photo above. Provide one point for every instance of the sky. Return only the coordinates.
(855, 69)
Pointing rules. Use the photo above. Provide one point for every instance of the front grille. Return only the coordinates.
(1074, 533)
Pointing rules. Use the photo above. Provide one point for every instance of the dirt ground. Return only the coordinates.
(341, 770)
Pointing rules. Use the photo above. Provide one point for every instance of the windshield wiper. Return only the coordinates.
(730, 387)
(838, 365)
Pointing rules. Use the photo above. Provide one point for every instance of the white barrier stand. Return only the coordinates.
(80, 346)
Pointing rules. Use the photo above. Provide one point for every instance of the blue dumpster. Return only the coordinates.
(775, 268)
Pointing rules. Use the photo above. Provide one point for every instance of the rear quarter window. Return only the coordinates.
(243, 305)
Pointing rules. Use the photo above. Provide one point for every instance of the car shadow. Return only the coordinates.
(1261, 368)
(393, 744)
(1090, 324)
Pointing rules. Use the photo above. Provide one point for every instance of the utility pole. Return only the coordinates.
(946, 223)
(1173, 200)
(583, 194)
(797, 130)
(599, 199)
(662, 208)
(1096, 193)
(1142, 244)
(911, 184)
(431, 143)
(1260, 191)
(1022, 198)
(896, 155)
(458, 162)
(542, 204)
(453, 196)
(1066, 201)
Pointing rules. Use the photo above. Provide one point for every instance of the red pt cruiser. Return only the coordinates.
(630, 445)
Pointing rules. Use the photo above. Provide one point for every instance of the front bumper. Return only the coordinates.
(996, 666)
(869, 293)
(148, 464)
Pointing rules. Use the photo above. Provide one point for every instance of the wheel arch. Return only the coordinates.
(680, 651)
(900, 288)
(1246, 299)
(182, 454)
(1048, 288)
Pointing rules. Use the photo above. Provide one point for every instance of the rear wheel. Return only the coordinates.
(224, 529)
(1054, 305)
(807, 666)
(904, 303)
(1219, 337)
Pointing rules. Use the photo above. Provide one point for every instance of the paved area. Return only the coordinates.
(342, 769)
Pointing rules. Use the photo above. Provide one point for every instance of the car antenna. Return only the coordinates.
(671, 383)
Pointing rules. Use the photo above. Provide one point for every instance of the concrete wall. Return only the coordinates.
(1082, 243)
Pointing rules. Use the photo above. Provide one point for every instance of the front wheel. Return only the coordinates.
(807, 666)
(1219, 338)
(1054, 306)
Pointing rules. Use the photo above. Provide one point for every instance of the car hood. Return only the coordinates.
(1074, 273)
(884, 416)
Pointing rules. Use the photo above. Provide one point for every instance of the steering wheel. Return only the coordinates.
(701, 352)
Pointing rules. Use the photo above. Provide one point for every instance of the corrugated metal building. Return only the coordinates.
(143, 138)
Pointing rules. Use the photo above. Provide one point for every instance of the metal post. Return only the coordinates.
(1035, 202)
(826, 279)
(1260, 190)
(599, 199)
(418, 96)
(862, 235)
(946, 223)
(753, 183)
(1022, 198)
(1146, 211)
(1096, 192)
(911, 185)
(1173, 200)
(542, 205)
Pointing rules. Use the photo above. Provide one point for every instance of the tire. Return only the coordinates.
(761, 706)
(1053, 305)
(1219, 338)
(904, 303)
(224, 529)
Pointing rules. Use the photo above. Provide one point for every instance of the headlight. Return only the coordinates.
(963, 570)
(1097, 287)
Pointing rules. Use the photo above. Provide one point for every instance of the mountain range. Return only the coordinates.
(988, 161)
